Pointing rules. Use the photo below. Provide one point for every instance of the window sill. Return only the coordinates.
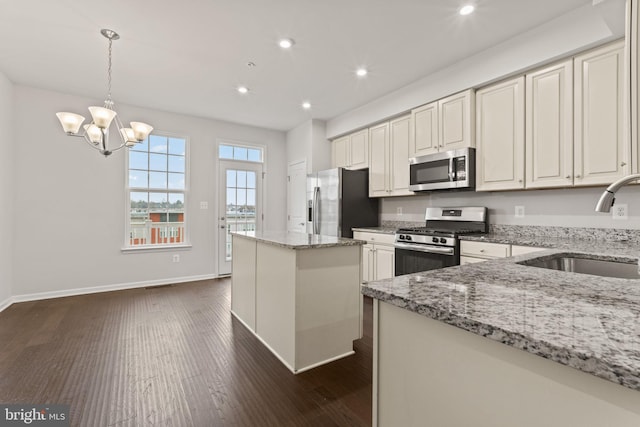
(165, 248)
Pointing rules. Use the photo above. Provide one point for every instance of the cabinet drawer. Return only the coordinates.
(377, 238)
(470, 260)
(521, 250)
(485, 250)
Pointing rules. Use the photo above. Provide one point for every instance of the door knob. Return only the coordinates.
(222, 226)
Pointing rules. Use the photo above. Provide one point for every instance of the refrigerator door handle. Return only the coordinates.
(316, 210)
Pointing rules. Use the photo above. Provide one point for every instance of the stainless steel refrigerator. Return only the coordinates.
(338, 200)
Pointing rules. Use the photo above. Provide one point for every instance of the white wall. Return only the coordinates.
(582, 28)
(307, 141)
(6, 188)
(558, 207)
(298, 143)
(70, 201)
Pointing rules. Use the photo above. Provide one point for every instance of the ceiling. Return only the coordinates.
(189, 57)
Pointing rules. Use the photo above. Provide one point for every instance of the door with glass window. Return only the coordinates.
(240, 207)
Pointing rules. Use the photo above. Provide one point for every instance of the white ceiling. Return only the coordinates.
(188, 57)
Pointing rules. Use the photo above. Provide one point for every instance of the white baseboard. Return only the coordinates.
(6, 303)
(96, 289)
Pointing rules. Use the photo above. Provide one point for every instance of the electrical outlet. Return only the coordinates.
(204, 205)
(176, 258)
(619, 211)
(399, 211)
(519, 212)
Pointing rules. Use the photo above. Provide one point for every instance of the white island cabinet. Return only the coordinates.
(299, 294)
(503, 343)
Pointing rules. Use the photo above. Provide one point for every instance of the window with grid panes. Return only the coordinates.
(157, 192)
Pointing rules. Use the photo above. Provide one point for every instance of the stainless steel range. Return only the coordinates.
(436, 245)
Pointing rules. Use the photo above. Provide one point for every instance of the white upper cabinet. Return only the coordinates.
(389, 154)
(601, 149)
(549, 126)
(351, 151)
(340, 152)
(424, 138)
(446, 124)
(379, 168)
(400, 130)
(500, 136)
(455, 121)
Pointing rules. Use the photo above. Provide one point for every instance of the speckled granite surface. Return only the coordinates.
(587, 322)
(381, 230)
(298, 240)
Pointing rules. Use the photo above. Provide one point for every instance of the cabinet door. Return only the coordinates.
(549, 127)
(367, 263)
(384, 262)
(500, 136)
(359, 149)
(456, 118)
(601, 152)
(340, 152)
(424, 134)
(379, 167)
(399, 166)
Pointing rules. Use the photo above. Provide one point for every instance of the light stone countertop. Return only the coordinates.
(292, 240)
(588, 322)
(380, 230)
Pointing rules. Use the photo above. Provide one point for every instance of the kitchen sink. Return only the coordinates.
(573, 263)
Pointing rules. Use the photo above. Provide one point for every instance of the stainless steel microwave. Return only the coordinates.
(455, 169)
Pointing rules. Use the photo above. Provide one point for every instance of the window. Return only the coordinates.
(157, 190)
(236, 152)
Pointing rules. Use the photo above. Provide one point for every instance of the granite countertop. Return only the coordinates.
(292, 240)
(588, 322)
(381, 230)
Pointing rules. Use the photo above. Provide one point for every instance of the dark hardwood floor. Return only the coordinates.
(171, 356)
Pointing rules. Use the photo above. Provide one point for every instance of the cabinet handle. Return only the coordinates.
(623, 164)
(568, 176)
(520, 180)
(578, 176)
(481, 250)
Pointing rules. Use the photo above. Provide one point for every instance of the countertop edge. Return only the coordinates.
(277, 242)
(565, 356)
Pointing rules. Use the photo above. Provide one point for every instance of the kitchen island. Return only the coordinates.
(499, 343)
(299, 294)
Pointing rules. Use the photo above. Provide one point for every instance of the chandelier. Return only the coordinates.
(96, 134)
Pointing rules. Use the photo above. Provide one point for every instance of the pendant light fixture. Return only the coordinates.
(96, 134)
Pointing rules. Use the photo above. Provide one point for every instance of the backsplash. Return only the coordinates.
(583, 233)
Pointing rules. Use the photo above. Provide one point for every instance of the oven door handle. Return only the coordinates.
(426, 248)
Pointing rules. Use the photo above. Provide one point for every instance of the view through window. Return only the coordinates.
(157, 177)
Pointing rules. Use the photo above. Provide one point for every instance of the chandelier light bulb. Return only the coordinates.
(70, 122)
(94, 133)
(141, 130)
(102, 117)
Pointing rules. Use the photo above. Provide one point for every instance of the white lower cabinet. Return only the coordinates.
(472, 251)
(377, 255)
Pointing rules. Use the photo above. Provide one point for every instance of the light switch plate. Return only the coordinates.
(204, 205)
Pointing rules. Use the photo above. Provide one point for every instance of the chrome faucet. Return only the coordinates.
(608, 197)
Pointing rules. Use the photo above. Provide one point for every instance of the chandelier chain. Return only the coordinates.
(109, 72)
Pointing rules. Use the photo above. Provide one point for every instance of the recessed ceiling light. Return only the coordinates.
(243, 89)
(306, 105)
(466, 10)
(286, 43)
(361, 72)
